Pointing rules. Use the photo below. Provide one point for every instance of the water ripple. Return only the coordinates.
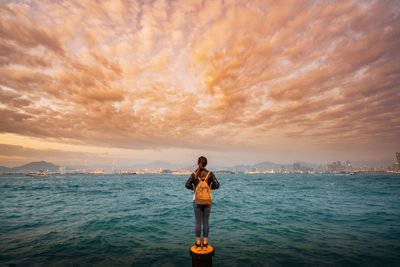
(258, 220)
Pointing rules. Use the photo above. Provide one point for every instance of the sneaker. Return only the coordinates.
(205, 246)
(198, 247)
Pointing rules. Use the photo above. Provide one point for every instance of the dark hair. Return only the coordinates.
(203, 162)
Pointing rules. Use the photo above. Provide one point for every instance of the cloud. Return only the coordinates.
(16, 27)
(215, 74)
(13, 99)
(21, 155)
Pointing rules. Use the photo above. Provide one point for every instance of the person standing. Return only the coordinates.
(202, 182)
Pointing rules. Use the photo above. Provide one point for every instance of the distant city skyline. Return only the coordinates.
(48, 169)
(265, 165)
(240, 82)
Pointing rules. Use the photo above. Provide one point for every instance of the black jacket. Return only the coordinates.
(211, 180)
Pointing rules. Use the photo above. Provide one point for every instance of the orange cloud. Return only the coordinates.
(190, 74)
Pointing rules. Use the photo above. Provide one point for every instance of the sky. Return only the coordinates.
(236, 81)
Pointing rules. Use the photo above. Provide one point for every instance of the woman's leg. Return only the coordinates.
(206, 216)
(198, 214)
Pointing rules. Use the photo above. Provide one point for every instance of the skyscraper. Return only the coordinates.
(396, 165)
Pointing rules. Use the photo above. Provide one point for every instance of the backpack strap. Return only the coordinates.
(205, 179)
(207, 176)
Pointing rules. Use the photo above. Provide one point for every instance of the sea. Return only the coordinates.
(148, 220)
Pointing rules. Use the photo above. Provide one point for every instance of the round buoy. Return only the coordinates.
(201, 257)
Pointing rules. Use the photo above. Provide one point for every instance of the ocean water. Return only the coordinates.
(148, 220)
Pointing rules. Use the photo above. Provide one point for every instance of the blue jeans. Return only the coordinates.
(202, 213)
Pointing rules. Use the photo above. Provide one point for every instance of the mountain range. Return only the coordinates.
(155, 165)
(31, 167)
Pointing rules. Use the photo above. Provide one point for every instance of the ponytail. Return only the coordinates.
(202, 162)
(197, 173)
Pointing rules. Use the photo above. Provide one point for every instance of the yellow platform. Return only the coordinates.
(202, 251)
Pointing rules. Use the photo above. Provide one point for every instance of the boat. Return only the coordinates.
(38, 174)
(353, 172)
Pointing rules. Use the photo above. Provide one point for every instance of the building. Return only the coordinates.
(296, 167)
(396, 165)
(348, 166)
(336, 167)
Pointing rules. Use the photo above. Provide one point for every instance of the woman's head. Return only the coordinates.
(202, 161)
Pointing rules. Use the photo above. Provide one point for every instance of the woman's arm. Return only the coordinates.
(214, 181)
(190, 182)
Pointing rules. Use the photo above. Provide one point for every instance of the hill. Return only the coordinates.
(4, 169)
(31, 167)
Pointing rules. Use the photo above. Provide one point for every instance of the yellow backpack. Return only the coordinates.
(202, 194)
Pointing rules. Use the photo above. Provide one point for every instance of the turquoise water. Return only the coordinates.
(148, 220)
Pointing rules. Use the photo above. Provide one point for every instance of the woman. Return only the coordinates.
(202, 211)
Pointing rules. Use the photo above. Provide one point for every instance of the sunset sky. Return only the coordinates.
(236, 81)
